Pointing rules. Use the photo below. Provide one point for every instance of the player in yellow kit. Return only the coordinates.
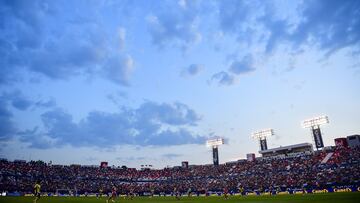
(37, 188)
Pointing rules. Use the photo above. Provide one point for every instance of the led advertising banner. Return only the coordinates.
(263, 144)
(317, 138)
(216, 156)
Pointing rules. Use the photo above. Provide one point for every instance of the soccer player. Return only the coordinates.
(152, 192)
(189, 192)
(271, 188)
(100, 193)
(176, 193)
(37, 187)
(131, 193)
(226, 191)
(207, 194)
(241, 190)
(113, 195)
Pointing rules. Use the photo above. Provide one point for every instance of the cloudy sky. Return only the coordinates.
(147, 81)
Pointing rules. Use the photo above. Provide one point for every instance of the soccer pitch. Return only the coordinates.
(316, 198)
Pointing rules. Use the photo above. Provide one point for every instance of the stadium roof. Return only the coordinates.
(289, 147)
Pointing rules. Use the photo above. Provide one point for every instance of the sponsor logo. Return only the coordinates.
(320, 191)
(342, 190)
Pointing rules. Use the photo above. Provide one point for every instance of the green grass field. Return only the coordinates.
(317, 198)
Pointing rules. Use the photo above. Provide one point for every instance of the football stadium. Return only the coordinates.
(293, 173)
(179, 101)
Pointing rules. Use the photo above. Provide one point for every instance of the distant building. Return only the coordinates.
(287, 150)
(341, 142)
(185, 164)
(353, 140)
(250, 157)
(104, 164)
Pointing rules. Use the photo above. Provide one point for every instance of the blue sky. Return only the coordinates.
(147, 82)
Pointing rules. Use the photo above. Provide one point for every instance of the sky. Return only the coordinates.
(148, 81)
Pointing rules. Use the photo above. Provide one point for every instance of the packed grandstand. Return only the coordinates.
(303, 172)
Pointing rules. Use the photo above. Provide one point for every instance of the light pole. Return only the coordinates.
(214, 144)
(261, 136)
(314, 125)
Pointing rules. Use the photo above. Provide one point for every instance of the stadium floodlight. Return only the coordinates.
(214, 144)
(316, 121)
(314, 125)
(261, 136)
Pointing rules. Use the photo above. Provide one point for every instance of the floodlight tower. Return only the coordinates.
(261, 136)
(214, 144)
(314, 125)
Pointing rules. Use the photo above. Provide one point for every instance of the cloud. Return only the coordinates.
(192, 70)
(118, 70)
(36, 139)
(7, 126)
(20, 33)
(331, 24)
(117, 97)
(69, 54)
(36, 37)
(24, 17)
(233, 15)
(243, 66)
(175, 25)
(22, 103)
(46, 104)
(171, 156)
(223, 78)
(18, 100)
(151, 124)
(122, 35)
(328, 25)
(171, 114)
(175, 137)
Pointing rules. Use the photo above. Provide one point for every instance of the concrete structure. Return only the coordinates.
(353, 140)
(287, 150)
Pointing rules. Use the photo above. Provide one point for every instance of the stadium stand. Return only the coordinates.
(342, 169)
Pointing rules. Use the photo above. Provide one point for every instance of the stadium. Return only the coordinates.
(298, 171)
(179, 101)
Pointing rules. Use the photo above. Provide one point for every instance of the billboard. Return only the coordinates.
(250, 157)
(103, 164)
(185, 164)
(216, 156)
(317, 138)
(263, 144)
(341, 142)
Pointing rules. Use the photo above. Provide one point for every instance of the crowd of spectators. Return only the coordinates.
(306, 170)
